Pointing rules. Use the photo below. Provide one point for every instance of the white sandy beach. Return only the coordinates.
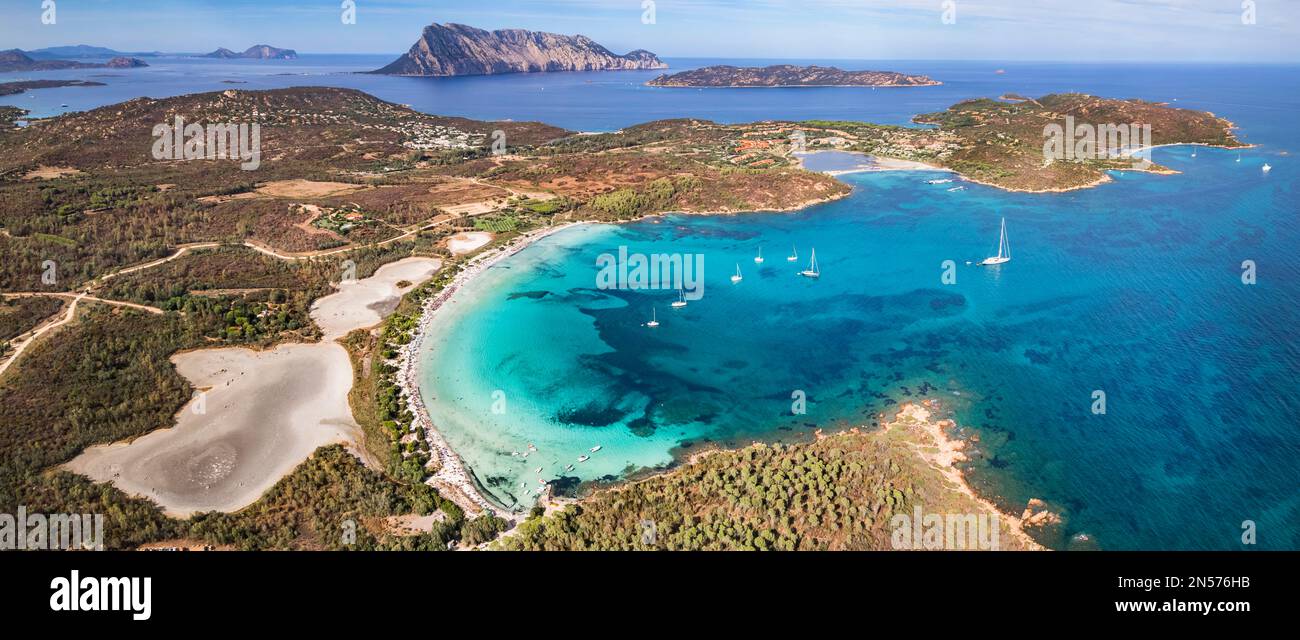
(860, 163)
(260, 415)
(452, 478)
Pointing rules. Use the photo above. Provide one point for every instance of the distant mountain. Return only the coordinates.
(786, 75)
(256, 52)
(18, 60)
(83, 51)
(459, 50)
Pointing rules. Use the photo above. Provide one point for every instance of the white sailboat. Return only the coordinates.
(813, 271)
(794, 255)
(759, 258)
(737, 277)
(654, 319)
(681, 299)
(1004, 249)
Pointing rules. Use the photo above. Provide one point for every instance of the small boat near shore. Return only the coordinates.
(595, 449)
(794, 255)
(583, 458)
(759, 258)
(1267, 167)
(681, 299)
(654, 319)
(737, 277)
(939, 181)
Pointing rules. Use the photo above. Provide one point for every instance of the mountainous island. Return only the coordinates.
(18, 60)
(788, 75)
(460, 50)
(255, 52)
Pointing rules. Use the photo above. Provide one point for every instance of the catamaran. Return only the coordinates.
(654, 319)
(681, 299)
(1267, 167)
(1004, 249)
(759, 258)
(794, 255)
(812, 271)
(737, 277)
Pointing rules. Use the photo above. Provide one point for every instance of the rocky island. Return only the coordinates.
(788, 75)
(255, 52)
(460, 50)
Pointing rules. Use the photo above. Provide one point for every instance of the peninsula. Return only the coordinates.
(18, 60)
(787, 75)
(460, 50)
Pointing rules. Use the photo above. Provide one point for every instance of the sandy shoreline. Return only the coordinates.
(453, 478)
(874, 164)
(258, 414)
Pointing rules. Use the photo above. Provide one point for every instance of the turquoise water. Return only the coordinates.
(1133, 288)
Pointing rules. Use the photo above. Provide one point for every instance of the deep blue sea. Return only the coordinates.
(1133, 288)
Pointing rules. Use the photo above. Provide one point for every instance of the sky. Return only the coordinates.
(1048, 30)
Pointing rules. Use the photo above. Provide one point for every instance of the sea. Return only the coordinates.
(1134, 366)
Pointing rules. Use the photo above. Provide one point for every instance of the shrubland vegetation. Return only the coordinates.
(838, 493)
(83, 192)
(20, 315)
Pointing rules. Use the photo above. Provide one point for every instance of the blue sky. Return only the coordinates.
(1070, 30)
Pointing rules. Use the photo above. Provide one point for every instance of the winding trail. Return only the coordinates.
(182, 250)
(40, 331)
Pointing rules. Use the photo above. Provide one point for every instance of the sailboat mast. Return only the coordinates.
(1002, 240)
(1005, 240)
